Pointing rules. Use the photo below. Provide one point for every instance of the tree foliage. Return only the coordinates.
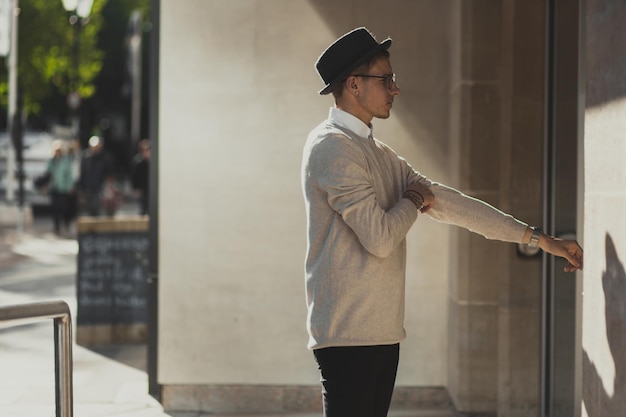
(48, 53)
(54, 56)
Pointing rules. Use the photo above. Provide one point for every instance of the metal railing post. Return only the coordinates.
(59, 311)
(63, 366)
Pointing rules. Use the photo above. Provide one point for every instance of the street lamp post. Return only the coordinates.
(9, 18)
(14, 12)
(133, 40)
(79, 12)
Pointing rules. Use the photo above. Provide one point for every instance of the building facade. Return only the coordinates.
(519, 103)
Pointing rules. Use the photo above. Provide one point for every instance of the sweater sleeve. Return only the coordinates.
(341, 170)
(454, 207)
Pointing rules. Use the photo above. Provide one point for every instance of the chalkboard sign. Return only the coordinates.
(112, 277)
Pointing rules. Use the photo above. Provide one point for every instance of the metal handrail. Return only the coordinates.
(59, 311)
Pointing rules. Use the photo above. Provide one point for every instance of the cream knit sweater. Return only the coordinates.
(357, 222)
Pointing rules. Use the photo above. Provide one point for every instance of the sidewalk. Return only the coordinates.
(37, 266)
(108, 380)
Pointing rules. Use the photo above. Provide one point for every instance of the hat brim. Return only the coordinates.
(384, 45)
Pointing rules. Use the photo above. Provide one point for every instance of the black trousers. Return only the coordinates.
(357, 381)
(59, 204)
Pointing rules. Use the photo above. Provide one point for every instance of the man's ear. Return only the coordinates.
(352, 85)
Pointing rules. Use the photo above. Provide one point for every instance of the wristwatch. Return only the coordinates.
(534, 238)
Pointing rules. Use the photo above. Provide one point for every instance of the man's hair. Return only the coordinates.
(337, 91)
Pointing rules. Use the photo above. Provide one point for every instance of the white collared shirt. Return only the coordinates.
(350, 122)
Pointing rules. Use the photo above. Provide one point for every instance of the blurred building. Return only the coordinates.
(37, 152)
(519, 103)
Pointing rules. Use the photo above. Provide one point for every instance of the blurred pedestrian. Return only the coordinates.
(361, 200)
(95, 169)
(139, 175)
(111, 197)
(61, 186)
(74, 154)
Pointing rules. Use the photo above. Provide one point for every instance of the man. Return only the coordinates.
(361, 200)
(95, 171)
(61, 186)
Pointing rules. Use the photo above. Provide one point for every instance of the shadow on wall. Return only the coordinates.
(606, 53)
(597, 401)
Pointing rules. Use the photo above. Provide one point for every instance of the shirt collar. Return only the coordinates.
(350, 122)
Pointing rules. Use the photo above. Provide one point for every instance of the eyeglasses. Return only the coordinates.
(390, 79)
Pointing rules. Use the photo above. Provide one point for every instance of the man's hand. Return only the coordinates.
(424, 190)
(568, 249)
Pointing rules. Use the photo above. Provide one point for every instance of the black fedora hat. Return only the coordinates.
(346, 54)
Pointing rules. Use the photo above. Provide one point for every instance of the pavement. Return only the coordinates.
(111, 380)
(37, 265)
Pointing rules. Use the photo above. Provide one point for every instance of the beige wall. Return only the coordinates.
(604, 316)
(237, 98)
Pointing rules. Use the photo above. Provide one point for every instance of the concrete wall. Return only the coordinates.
(604, 315)
(237, 98)
(498, 119)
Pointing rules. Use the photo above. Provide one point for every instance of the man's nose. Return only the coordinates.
(395, 89)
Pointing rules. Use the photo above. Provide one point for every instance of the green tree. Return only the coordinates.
(49, 48)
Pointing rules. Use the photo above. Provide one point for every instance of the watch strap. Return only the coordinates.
(534, 238)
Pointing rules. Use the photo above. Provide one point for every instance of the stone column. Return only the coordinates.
(604, 281)
(497, 127)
